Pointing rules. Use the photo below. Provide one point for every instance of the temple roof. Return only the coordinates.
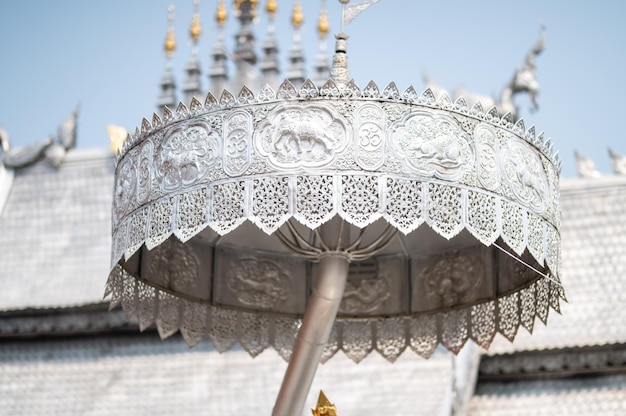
(55, 232)
(140, 375)
(561, 397)
(593, 244)
(55, 239)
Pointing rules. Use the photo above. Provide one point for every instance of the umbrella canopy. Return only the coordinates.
(359, 219)
(449, 217)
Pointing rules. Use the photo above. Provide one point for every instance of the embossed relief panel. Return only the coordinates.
(432, 145)
(237, 142)
(185, 156)
(554, 214)
(523, 172)
(378, 286)
(369, 137)
(125, 187)
(488, 166)
(183, 268)
(298, 136)
(144, 171)
(258, 280)
(452, 278)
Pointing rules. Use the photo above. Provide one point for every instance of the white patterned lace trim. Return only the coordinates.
(407, 204)
(389, 336)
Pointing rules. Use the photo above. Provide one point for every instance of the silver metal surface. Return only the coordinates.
(313, 335)
(226, 214)
(425, 186)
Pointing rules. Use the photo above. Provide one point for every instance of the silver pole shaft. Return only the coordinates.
(313, 335)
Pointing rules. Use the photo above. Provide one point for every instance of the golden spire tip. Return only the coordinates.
(297, 17)
(117, 135)
(271, 7)
(221, 14)
(195, 30)
(322, 23)
(170, 42)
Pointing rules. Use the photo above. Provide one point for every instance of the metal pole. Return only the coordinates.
(313, 335)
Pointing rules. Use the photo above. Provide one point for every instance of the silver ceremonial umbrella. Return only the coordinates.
(340, 218)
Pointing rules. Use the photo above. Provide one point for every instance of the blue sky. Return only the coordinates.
(108, 56)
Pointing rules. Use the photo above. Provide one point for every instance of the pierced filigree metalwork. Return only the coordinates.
(373, 161)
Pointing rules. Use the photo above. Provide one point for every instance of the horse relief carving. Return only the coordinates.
(297, 136)
(432, 145)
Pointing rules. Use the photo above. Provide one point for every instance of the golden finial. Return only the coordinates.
(271, 7)
(322, 22)
(221, 14)
(196, 29)
(324, 407)
(117, 135)
(297, 17)
(170, 42)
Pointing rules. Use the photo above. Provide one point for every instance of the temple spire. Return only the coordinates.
(269, 63)
(245, 10)
(168, 85)
(295, 73)
(192, 87)
(218, 73)
(245, 56)
(322, 69)
(339, 72)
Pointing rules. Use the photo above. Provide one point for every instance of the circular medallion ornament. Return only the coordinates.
(185, 156)
(524, 173)
(432, 145)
